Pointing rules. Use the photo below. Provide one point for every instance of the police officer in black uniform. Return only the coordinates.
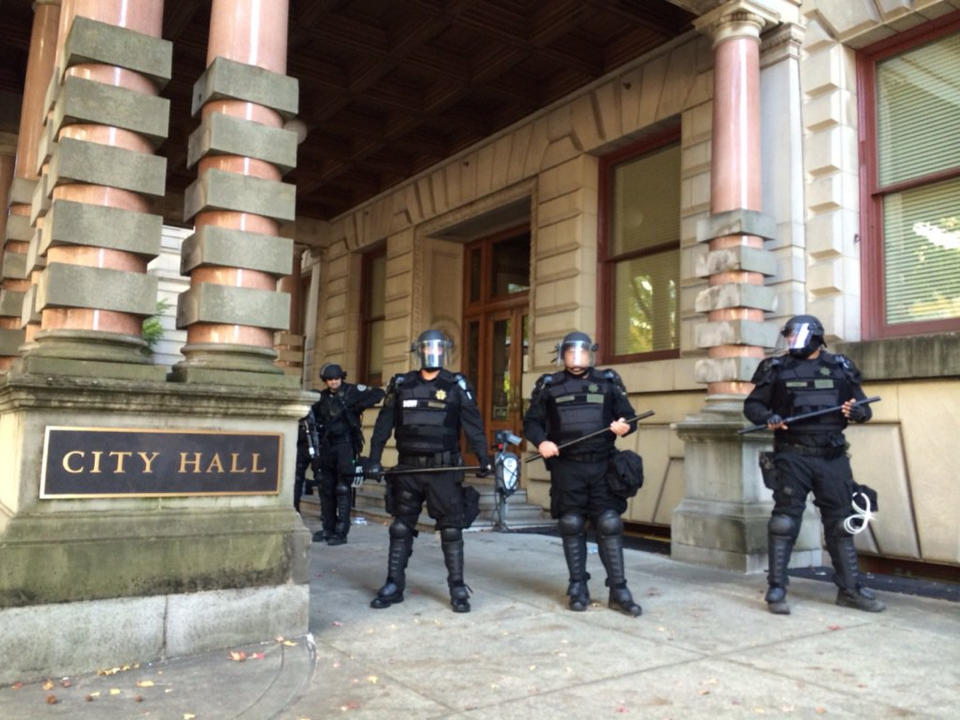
(427, 409)
(809, 456)
(308, 444)
(566, 405)
(337, 414)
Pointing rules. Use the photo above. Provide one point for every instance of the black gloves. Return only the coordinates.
(774, 419)
(858, 413)
(372, 468)
(486, 468)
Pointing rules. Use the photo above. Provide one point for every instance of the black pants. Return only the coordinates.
(443, 492)
(829, 479)
(336, 470)
(299, 477)
(581, 487)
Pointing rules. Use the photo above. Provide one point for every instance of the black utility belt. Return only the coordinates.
(433, 460)
(822, 452)
(587, 457)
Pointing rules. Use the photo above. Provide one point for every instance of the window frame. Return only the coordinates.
(366, 263)
(872, 281)
(606, 266)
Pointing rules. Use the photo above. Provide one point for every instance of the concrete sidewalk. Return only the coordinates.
(705, 647)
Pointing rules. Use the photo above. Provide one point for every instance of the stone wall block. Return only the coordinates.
(825, 276)
(224, 304)
(11, 340)
(41, 199)
(214, 245)
(90, 41)
(21, 191)
(736, 222)
(80, 286)
(15, 266)
(10, 303)
(220, 190)
(821, 72)
(229, 79)
(735, 369)
(97, 164)
(28, 309)
(228, 135)
(736, 258)
(730, 295)
(73, 223)
(735, 332)
(87, 101)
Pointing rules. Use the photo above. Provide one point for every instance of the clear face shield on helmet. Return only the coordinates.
(797, 339)
(433, 353)
(577, 354)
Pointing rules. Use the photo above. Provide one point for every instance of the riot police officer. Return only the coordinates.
(337, 415)
(565, 405)
(308, 444)
(809, 456)
(426, 410)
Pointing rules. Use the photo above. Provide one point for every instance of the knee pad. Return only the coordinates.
(833, 528)
(783, 525)
(343, 489)
(571, 524)
(449, 534)
(609, 523)
(400, 530)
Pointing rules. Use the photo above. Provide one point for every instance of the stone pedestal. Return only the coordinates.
(133, 578)
(722, 519)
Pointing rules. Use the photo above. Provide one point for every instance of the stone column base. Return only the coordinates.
(70, 638)
(722, 519)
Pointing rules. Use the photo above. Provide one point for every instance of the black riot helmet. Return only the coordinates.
(801, 336)
(582, 348)
(332, 371)
(433, 348)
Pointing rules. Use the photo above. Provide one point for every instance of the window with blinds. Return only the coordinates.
(640, 255)
(373, 316)
(915, 195)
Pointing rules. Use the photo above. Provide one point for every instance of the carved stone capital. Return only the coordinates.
(737, 18)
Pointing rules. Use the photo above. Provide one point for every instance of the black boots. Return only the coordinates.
(451, 542)
(401, 547)
(342, 525)
(610, 547)
(575, 552)
(846, 574)
(781, 534)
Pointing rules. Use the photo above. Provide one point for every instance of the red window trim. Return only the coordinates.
(605, 264)
(872, 285)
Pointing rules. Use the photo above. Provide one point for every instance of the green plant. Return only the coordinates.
(152, 328)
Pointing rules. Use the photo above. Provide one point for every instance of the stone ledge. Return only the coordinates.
(88, 101)
(21, 190)
(729, 295)
(90, 41)
(735, 369)
(735, 332)
(18, 227)
(10, 303)
(736, 258)
(736, 222)
(75, 223)
(10, 341)
(232, 80)
(908, 358)
(223, 134)
(14, 266)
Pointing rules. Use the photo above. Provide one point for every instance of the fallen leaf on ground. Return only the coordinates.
(138, 698)
(372, 679)
(88, 698)
(52, 699)
(188, 716)
(337, 623)
(238, 655)
(48, 685)
(289, 643)
(821, 711)
(145, 683)
(257, 656)
(114, 691)
(834, 627)
(17, 685)
(95, 694)
(704, 692)
(65, 682)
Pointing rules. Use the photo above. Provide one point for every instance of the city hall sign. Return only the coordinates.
(83, 462)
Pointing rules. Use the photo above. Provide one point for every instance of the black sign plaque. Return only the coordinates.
(86, 462)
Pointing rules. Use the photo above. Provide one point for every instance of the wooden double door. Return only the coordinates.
(496, 338)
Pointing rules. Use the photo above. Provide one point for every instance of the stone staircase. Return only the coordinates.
(519, 513)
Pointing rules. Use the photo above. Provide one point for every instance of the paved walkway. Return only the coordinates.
(705, 647)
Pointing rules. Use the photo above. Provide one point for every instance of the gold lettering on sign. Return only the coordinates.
(121, 456)
(96, 461)
(66, 461)
(184, 462)
(256, 459)
(148, 461)
(215, 463)
(233, 464)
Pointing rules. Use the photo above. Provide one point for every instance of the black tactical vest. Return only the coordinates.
(427, 415)
(331, 414)
(810, 385)
(577, 406)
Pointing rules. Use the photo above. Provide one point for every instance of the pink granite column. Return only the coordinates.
(16, 237)
(232, 309)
